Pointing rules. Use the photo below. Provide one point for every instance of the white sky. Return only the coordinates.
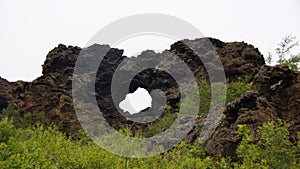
(29, 29)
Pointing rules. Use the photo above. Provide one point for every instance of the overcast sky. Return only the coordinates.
(29, 29)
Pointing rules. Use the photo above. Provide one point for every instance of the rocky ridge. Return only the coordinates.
(275, 93)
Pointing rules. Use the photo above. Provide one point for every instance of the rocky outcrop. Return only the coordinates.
(239, 59)
(51, 93)
(275, 93)
(5, 94)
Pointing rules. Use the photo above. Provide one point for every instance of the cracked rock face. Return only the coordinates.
(275, 91)
(275, 95)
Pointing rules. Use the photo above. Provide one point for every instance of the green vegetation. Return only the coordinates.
(283, 52)
(273, 149)
(234, 91)
(46, 147)
(42, 145)
(24, 120)
(164, 123)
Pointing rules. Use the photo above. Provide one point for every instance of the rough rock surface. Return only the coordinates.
(51, 93)
(275, 95)
(275, 90)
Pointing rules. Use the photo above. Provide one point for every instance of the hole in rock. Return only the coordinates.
(136, 102)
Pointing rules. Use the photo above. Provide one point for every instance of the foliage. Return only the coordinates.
(248, 151)
(6, 131)
(292, 62)
(46, 147)
(284, 53)
(274, 145)
(234, 90)
(288, 42)
(24, 119)
(163, 124)
(18, 119)
(273, 150)
(23, 145)
(238, 88)
(269, 58)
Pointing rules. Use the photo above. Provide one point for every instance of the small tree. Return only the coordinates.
(284, 49)
(269, 58)
(292, 62)
(288, 42)
(284, 53)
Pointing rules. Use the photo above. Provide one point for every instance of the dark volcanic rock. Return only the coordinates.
(276, 90)
(5, 94)
(239, 59)
(275, 95)
(51, 93)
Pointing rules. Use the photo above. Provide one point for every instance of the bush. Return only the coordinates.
(24, 119)
(19, 120)
(234, 90)
(46, 147)
(238, 88)
(6, 130)
(36, 146)
(273, 150)
(163, 124)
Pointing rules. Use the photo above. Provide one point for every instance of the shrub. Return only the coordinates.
(234, 90)
(46, 147)
(6, 130)
(273, 150)
(24, 119)
(19, 120)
